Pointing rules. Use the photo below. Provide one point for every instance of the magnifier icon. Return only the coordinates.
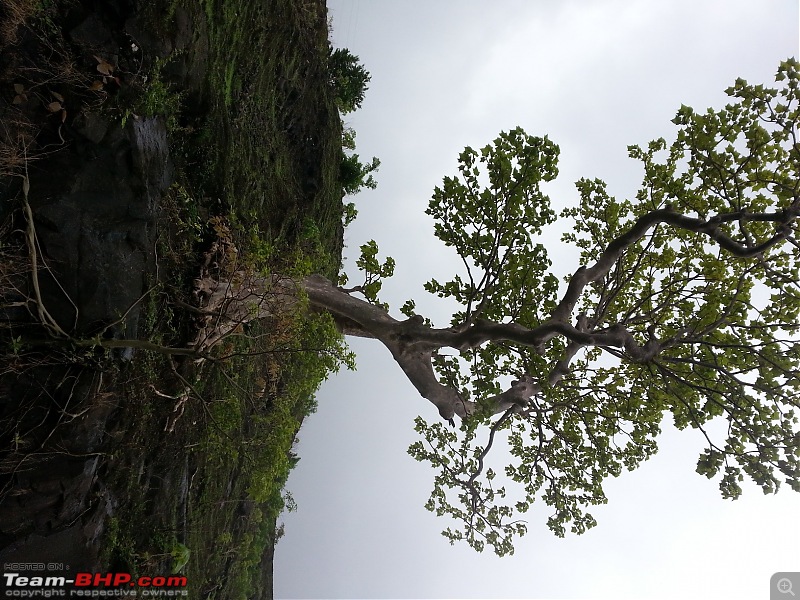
(785, 586)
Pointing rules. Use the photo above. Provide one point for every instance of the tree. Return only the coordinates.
(687, 304)
(355, 175)
(348, 78)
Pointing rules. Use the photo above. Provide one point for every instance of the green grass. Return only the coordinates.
(159, 98)
(259, 148)
(269, 147)
(274, 119)
(251, 424)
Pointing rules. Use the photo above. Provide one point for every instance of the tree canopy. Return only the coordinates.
(686, 306)
(348, 79)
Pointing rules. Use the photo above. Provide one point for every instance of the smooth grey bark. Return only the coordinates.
(413, 344)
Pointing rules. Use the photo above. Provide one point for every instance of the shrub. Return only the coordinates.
(354, 175)
(348, 78)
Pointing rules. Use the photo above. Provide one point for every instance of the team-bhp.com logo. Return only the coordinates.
(94, 585)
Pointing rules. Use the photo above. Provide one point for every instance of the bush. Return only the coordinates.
(354, 175)
(348, 78)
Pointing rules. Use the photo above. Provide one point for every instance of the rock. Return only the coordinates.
(92, 32)
(91, 126)
(95, 200)
(97, 227)
(95, 194)
(53, 548)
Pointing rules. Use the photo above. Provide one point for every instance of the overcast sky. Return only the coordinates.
(596, 76)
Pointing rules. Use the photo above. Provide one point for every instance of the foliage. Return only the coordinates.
(180, 557)
(265, 145)
(349, 213)
(260, 396)
(374, 273)
(354, 175)
(348, 138)
(158, 97)
(688, 305)
(348, 79)
(492, 227)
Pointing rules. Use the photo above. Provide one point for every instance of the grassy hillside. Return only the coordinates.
(261, 144)
(256, 139)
